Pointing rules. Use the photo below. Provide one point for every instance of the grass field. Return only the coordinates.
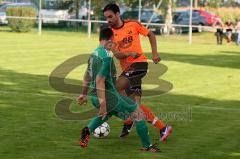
(206, 88)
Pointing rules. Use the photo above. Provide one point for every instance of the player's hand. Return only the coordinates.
(134, 55)
(103, 110)
(156, 59)
(82, 99)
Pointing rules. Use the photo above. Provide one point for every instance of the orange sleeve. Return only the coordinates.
(142, 29)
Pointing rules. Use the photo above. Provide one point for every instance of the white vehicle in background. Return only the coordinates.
(3, 17)
(54, 12)
(53, 16)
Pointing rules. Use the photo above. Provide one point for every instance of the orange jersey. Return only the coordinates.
(127, 39)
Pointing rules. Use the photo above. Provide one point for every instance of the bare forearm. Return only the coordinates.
(120, 55)
(100, 85)
(86, 81)
(153, 42)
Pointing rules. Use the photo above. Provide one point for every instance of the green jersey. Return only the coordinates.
(100, 63)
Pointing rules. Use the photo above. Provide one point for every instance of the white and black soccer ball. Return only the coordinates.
(102, 131)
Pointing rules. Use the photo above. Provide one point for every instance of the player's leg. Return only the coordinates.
(93, 124)
(151, 118)
(86, 131)
(134, 75)
(135, 93)
(122, 83)
(142, 131)
(128, 108)
(139, 71)
(128, 124)
(96, 122)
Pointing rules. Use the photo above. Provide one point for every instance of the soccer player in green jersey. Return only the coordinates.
(100, 78)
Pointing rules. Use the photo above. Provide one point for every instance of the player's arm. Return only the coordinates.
(121, 55)
(82, 99)
(152, 39)
(86, 80)
(100, 86)
(104, 72)
(153, 42)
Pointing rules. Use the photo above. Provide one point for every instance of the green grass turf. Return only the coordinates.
(205, 80)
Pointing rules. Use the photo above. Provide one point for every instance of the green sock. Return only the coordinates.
(142, 131)
(96, 122)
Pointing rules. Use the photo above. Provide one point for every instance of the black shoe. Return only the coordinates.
(126, 130)
(151, 148)
(84, 137)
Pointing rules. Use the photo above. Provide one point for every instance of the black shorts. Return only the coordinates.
(135, 74)
(219, 31)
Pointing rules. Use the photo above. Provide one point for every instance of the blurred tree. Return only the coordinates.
(214, 3)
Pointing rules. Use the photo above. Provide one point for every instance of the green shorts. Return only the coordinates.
(118, 105)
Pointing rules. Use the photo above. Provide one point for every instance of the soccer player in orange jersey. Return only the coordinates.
(133, 63)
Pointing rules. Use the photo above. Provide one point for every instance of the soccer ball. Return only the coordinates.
(102, 131)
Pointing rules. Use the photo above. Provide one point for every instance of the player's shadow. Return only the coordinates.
(29, 123)
(23, 85)
(228, 59)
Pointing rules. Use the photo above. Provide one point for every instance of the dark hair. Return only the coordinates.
(105, 34)
(113, 7)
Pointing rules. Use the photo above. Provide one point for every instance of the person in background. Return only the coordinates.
(238, 32)
(218, 25)
(229, 30)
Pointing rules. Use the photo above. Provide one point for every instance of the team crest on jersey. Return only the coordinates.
(130, 32)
